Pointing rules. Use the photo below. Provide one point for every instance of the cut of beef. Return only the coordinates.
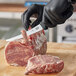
(42, 64)
(19, 51)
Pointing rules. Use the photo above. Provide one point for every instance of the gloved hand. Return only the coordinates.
(34, 9)
(56, 12)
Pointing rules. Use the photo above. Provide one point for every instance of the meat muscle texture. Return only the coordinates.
(19, 51)
(43, 64)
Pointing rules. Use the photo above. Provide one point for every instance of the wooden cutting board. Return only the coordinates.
(67, 52)
(6, 70)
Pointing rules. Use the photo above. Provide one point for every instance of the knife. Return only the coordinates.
(32, 31)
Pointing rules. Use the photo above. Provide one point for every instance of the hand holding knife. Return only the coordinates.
(44, 17)
(32, 31)
(50, 15)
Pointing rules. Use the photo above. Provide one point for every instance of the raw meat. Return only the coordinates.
(19, 51)
(42, 64)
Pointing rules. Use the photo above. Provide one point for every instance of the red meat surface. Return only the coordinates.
(42, 64)
(19, 51)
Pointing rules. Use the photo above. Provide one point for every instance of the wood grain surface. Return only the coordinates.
(12, 8)
(67, 52)
(2, 43)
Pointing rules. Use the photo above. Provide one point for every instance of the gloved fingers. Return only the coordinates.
(46, 22)
(52, 15)
(25, 22)
(27, 15)
(34, 9)
(38, 20)
(69, 12)
(63, 5)
(31, 10)
(50, 18)
(22, 17)
(26, 18)
(65, 15)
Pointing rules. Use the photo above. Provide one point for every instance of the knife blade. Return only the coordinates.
(32, 31)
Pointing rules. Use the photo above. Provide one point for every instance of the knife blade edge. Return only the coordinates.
(32, 31)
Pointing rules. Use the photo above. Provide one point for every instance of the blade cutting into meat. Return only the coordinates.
(43, 64)
(18, 52)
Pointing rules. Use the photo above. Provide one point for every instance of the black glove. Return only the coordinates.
(72, 1)
(56, 12)
(34, 9)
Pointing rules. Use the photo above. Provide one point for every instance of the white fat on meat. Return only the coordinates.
(39, 41)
